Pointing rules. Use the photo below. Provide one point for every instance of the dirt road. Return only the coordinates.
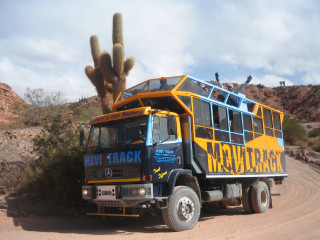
(296, 215)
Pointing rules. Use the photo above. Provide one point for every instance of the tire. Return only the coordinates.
(115, 221)
(260, 197)
(183, 209)
(246, 199)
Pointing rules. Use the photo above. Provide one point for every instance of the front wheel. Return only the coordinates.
(183, 209)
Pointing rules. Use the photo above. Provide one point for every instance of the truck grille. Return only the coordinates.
(118, 172)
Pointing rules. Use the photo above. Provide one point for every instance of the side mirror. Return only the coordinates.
(172, 125)
(81, 136)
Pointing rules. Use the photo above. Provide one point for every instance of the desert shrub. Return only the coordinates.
(314, 143)
(87, 113)
(10, 175)
(260, 86)
(314, 133)
(256, 96)
(43, 105)
(58, 171)
(316, 147)
(293, 131)
(18, 123)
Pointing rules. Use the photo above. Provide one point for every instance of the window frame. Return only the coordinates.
(162, 127)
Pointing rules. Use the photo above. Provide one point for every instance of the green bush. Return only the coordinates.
(314, 133)
(316, 147)
(58, 172)
(293, 132)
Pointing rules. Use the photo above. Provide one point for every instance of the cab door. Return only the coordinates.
(166, 152)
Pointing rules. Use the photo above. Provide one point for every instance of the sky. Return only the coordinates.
(45, 44)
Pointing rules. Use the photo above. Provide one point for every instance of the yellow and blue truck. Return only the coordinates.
(175, 144)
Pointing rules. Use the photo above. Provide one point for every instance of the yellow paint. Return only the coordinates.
(156, 170)
(121, 115)
(116, 180)
(161, 175)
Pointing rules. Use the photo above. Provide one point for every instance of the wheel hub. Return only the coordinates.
(264, 199)
(185, 209)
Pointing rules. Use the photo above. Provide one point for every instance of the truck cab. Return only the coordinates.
(140, 147)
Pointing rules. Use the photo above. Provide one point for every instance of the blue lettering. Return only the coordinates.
(137, 156)
(122, 157)
(129, 156)
(96, 160)
(110, 157)
(115, 157)
(86, 161)
(91, 160)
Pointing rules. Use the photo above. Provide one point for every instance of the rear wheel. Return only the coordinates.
(183, 209)
(246, 199)
(260, 197)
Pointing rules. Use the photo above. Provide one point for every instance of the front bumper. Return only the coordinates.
(118, 195)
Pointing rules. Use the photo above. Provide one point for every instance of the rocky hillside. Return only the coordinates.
(16, 145)
(11, 105)
(299, 102)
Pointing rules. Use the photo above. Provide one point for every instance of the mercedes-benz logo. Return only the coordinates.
(108, 172)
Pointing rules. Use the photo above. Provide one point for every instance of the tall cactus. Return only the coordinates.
(109, 76)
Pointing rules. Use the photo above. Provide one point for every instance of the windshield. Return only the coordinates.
(129, 131)
(163, 84)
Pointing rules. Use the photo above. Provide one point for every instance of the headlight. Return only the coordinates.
(84, 192)
(142, 191)
(136, 191)
(87, 192)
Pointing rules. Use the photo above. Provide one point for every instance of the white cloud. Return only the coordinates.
(266, 80)
(280, 37)
(46, 44)
(72, 83)
(272, 80)
(312, 77)
(51, 44)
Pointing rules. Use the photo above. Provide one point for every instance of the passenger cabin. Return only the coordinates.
(216, 113)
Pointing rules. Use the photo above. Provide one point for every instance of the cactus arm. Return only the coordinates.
(95, 49)
(96, 78)
(117, 32)
(90, 74)
(128, 65)
(99, 83)
(105, 65)
(118, 57)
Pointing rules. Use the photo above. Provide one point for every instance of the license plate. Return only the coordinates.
(105, 192)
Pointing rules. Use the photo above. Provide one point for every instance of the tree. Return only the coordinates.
(293, 131)
(43, 105)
